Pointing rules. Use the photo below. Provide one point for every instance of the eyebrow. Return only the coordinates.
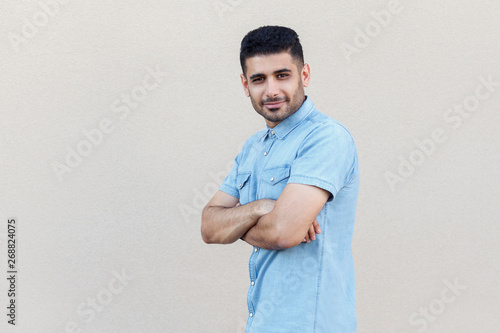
(279, 71)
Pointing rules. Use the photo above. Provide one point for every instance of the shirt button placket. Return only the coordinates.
(252, 282)
(266, 152)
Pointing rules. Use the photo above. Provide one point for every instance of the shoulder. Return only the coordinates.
(322, 126)
(251, 141)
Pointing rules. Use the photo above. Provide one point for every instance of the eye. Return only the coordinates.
(281, 76)
(258, 79)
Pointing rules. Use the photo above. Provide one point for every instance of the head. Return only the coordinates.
(274, 74)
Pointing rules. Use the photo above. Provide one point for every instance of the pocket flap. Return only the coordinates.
(276, 175)
(242, 179)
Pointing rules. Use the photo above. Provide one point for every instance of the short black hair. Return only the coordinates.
(268, 40)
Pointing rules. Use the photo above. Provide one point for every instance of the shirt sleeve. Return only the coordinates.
(229, 183)
(327, 158)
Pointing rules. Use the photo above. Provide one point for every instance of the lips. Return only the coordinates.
(274, 105)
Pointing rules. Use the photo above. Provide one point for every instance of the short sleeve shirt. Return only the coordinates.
(309, 287)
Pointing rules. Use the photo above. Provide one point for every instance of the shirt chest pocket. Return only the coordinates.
(243, 183)
(273, 181)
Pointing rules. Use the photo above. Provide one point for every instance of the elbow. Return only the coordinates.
(206, 234)
(283, 243)
(209, 232)
(279, 234)
(210, 237)
(285, 240)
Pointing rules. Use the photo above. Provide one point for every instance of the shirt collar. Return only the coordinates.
(286, 126)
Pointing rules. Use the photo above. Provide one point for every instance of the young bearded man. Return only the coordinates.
(292, 195)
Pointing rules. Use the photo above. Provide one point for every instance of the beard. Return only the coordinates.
(290, 106)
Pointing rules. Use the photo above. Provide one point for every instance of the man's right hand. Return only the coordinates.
(265, 206)
(224, 220)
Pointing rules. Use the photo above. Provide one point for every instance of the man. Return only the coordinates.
(291, 194)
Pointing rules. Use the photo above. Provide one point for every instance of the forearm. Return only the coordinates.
(270, 234)
(291, 221)
(224, 225)
(265, 234)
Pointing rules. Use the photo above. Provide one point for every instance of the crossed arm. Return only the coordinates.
(265, 223)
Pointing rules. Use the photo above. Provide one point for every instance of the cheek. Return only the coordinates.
(255, 93)
(290, 87)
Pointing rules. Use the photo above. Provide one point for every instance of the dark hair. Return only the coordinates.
(270, 40)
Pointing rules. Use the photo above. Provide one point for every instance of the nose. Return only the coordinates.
(272, 88)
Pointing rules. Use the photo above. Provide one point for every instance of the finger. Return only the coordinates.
(307, 238)
(316, 227)
(312, 234)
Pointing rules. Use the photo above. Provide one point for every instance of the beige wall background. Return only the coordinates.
(121, 118)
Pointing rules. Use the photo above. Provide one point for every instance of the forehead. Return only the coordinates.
(268, 64)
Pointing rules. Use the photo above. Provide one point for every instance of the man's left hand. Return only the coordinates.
(311, 233)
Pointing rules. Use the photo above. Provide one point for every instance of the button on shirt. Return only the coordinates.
(309, 287)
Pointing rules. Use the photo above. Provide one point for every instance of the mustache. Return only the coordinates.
(273, 100)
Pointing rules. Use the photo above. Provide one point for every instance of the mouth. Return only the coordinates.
(274, 105)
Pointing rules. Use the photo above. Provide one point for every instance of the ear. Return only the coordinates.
(306, 75)
(244, 82)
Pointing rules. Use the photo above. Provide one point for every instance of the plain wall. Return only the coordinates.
(409, 85)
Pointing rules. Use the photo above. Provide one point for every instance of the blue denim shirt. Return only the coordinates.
(310, 287)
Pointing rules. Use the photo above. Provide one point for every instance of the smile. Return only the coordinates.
(274, 105)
